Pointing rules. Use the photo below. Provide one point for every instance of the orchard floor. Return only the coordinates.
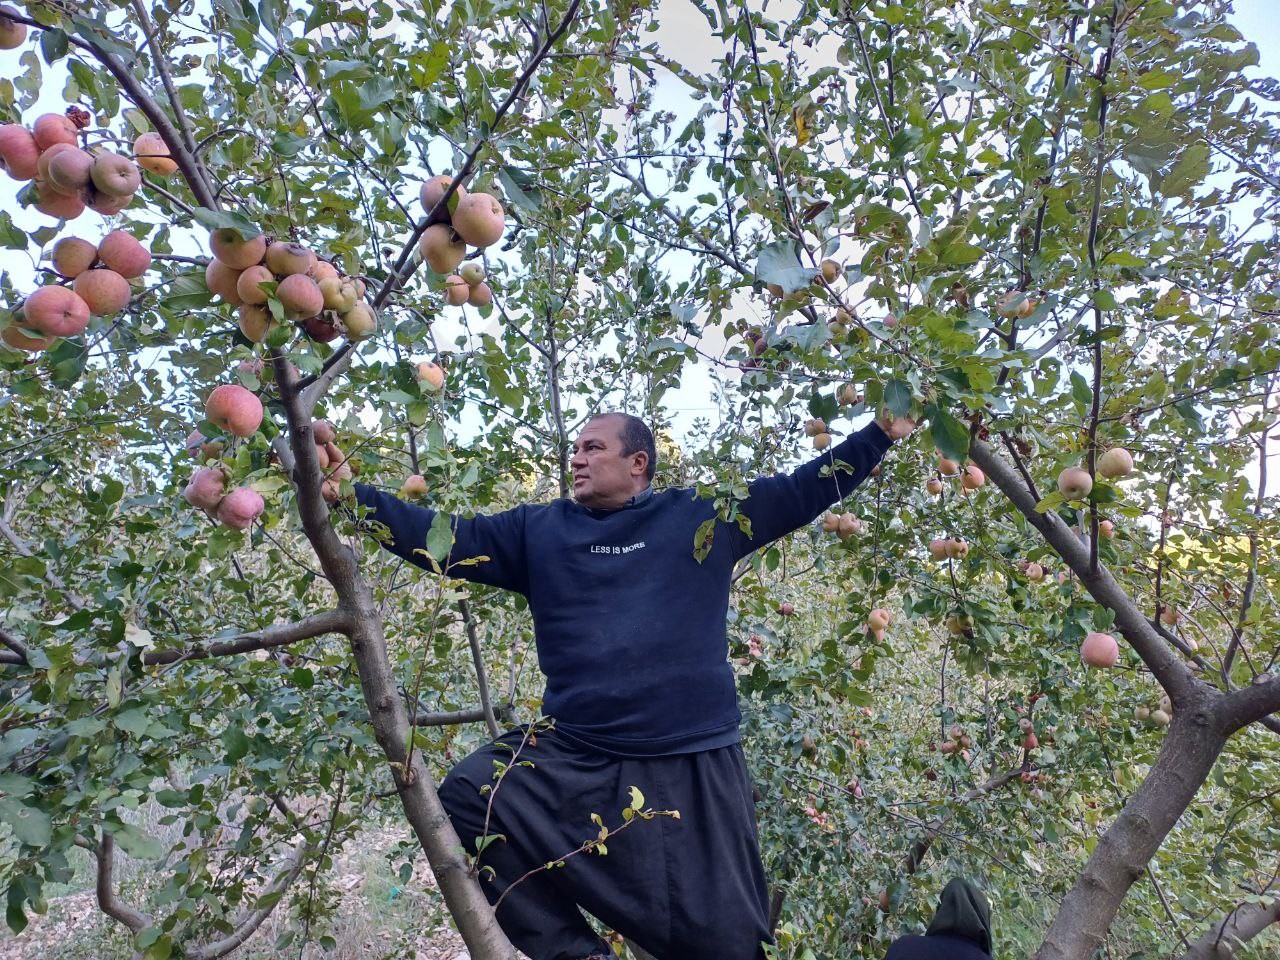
(376, 918)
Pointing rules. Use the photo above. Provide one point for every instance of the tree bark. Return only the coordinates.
(387, 713)
(1186, 757)
(1238, 927)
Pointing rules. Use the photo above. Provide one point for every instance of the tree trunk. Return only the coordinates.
(462, 894)
(1187, 755)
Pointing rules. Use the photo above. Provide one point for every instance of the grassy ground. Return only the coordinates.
(377, 917)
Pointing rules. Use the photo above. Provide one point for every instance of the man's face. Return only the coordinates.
(603, 478)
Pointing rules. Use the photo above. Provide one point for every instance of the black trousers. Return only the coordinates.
(687, 889)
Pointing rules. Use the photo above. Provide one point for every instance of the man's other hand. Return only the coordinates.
(895, 428)
(337, 471)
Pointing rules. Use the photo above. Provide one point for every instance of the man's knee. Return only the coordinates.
(463, 793)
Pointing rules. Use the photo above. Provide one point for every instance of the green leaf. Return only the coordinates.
(135, 841)
(948, 433)
(238, 223)
(53, 44)
(67, 359)
(440, 537)
(29, 825)
(132, 721)
(236, 743)
(1190, 170)
(779, 263)
(10, 236)
(521, 188)
(897, 397)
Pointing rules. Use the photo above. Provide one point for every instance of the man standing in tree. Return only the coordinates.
(630, 633)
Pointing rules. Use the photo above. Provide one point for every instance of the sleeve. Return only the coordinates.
(780, 504)
(500, 538)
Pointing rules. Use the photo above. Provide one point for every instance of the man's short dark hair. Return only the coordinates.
(636, 436)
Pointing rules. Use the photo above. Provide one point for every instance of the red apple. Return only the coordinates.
(248, 284)
(12, 33)
(299, 296)
(235, 409)
(1115, 463)
(222, 280)
(479, 219)
(105, 291)
(112, 174)
(1074, 483)
(481, 295)
(68, 169)
(432, 191)
(456, 290)
(20, 341)
(440, 250)
(55, 311)
(19, 152)
(240, 508)
(123, 253)
(286, 259)
(60, 206)
(1100, 650)
(152, 154)
(73, 256)
(51, 128)
(431, 374)
(235, 250)
(206, 488)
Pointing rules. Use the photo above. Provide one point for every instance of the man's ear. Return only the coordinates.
(640, 459)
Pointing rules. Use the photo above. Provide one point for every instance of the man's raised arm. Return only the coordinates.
(780, 504)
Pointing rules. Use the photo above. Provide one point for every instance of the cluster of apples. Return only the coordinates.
(238, 412)
(843, 525)
(100, 287)
(817, 430)
(312, 291)
(1074, 483)
(957, 742)
(971, 477)
(948, 548)
(332, 460)
(68, 180)
(1161, 716)
(828, 273)
(477, 219)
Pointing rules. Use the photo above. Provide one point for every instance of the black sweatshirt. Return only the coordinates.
(630, 627)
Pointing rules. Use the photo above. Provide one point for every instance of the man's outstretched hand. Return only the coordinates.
(895, 428)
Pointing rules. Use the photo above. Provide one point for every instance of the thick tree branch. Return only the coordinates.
(503, 712)
(1252, 703)
(16, 646)
(108, 902)
(1173, 675)
(1242, 924)
(331, 621)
